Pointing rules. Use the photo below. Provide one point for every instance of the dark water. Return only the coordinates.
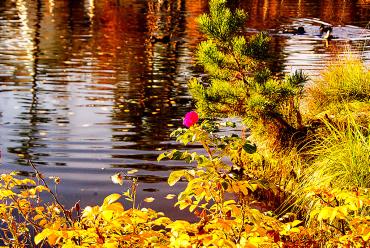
(85, 94)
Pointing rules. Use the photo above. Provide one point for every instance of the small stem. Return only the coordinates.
(319, 196)
(133, 201)
(133, 192)
(38, 174)
(242, 224)
(208, 150)
(339, 229)
(24, 214)
(240, 69)
(342, 226)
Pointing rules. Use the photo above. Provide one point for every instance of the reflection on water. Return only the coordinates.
(85, 92)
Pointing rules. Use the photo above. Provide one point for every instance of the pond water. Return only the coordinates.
(84, 93)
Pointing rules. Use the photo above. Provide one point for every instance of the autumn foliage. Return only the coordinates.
(245, 191)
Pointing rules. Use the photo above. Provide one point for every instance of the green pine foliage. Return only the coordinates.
(239, 82)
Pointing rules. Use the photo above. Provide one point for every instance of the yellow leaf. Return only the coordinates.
(37, 217)
(324, 213)
(43, 222)
(295, 230)
(111, 198)
(229, 202)
(250, 245)
(182, 204)
(110, 245)
(107, 215)
(343, 210)
(28, 181)
(6, 193)
(192, 208)
(161, 156)
(367, 234)
(333, 215)
(149, 199)
(40, 188)
(116, 207)
(253, 186)
(162, 221)
(32, 191)
(170, 196)
(175, 177)
(38, 238)
(226, 243)
(53, 238)
(132, 171)
(41, 236)
(117, 178)
(296, 223)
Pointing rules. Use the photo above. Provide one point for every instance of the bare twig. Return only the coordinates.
(66, 213)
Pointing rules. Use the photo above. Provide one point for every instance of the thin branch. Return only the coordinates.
(24, 215)
(65, 212)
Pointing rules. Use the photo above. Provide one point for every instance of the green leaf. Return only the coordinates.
(249, 148)
(178, 132)
(230, 124)
(170, 154)
(176, 155)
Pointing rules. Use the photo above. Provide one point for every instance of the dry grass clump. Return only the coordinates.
(343, 85)
(342, 157)
(336, 109)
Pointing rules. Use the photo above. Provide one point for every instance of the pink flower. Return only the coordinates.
(190, 119)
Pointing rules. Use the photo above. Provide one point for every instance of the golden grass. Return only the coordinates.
(344, 82)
